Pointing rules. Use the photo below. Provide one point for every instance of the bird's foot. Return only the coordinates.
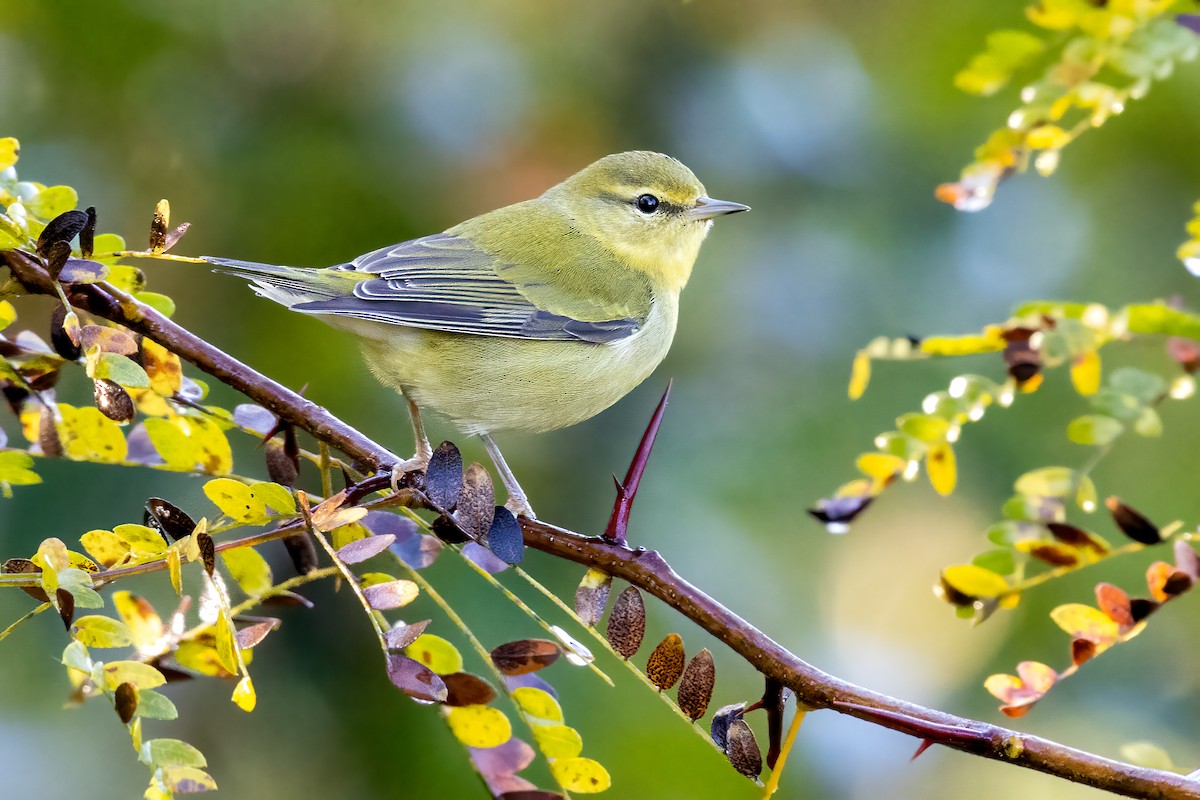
(519, 506)
(417, 463)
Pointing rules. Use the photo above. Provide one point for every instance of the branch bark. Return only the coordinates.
(645, 569)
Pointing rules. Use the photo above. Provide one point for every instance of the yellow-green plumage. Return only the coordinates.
(535, 316)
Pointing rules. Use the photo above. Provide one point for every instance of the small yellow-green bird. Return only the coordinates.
(532, 317)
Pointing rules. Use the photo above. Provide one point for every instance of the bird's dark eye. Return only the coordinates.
(647, 204)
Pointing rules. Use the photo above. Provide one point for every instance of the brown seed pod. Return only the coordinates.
(627, 622)
(444, 476)
(524, 656)
(208, 552)
(125, 698)
(476, 502)
(48, 434)
(696, 686)
(742, 750)
(592, 596)
(666, 662)
(113, 401)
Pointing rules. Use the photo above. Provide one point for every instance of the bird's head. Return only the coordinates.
(647, 208)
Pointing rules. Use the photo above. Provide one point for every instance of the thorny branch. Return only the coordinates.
(645, 569)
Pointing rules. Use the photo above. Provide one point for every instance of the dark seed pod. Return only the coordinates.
(113, 401)
(302, 552)
(666, 662)
(56, 255)
(725, 716)
(444, 476)
(504, 537)
(476, 502)
(627, 623)
(696, 686)
(208, 552)
(66, 606)
(87, 236)
(445, 529)
(465, 689)
(23, 566)
(524, 656)
(59, 339)
(1133, 524)
(125, 698)
(281, 468)
(48, 439)
(742, 750)
(167, 518)
(63, 228)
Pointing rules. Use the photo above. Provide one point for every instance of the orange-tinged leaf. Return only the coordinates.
(1085, 373)
(940, 464)
(479, 726)
(1165, 581)
(163, 367)
(144, 624)
(1085, 622)
(581, 775)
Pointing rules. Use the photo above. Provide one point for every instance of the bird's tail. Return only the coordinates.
(285, 285)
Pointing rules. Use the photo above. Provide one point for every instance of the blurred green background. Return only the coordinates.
(306, 132)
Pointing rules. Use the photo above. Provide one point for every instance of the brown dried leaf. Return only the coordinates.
(526, 655)
(465, 689)
(65, 602)
(1133, 524)
(251, 635)
(627, 622)
(592, 596)
(1164, 581)
(23, 566)
(742, 750)
(362, 549)
(1114, 602)
(59, 339)
(696, 686)
(665, 664)
(63, 228)
(158, 226)
(1082, 651)
(476, 502)
(415, 679)
(109, 340)
(125, 699)
(393, 594)
(401, 635)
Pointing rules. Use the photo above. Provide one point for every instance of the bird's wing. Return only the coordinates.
(446, 283)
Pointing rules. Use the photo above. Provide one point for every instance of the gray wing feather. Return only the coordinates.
(444, 283)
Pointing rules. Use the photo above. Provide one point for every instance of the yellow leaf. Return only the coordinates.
(214, 453)
(1085, 622)
(990, 341)
(582, 775)
(106, 547)
(538, 703)
(88, 435)
(144, 624)
(940, 465)
(175, 568)
(249, 569)
(15, 469)
(558, 741)
(141, 675)
(860, 374)
(974, 581)
(171, 440)
(143, 542)
(226, 645)
(52, 201)
(880, 466)
(97, 630)
(10, 149)
(345, 534)
(1085, 373)
(244, 695)
(236, 500)
(1047, 137)
(436, 653)
(202, 658)
(163, 367)
(479, 726)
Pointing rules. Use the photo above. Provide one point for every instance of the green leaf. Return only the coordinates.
(1149, 423)
(275, 496)
(170, 753)
(1047, 482)
(159, 302)
(1146, 386)
(100, 631)
(118, 369)
(924, 427)
(154, 705)
(177, 449)
(52, 201)
(1094, 429)
(998, 561)
(558, 741)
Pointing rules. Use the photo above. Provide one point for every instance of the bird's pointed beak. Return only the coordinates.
(707, 208)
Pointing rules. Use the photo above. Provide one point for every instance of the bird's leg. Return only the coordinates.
(420, 459)
(517, 503)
